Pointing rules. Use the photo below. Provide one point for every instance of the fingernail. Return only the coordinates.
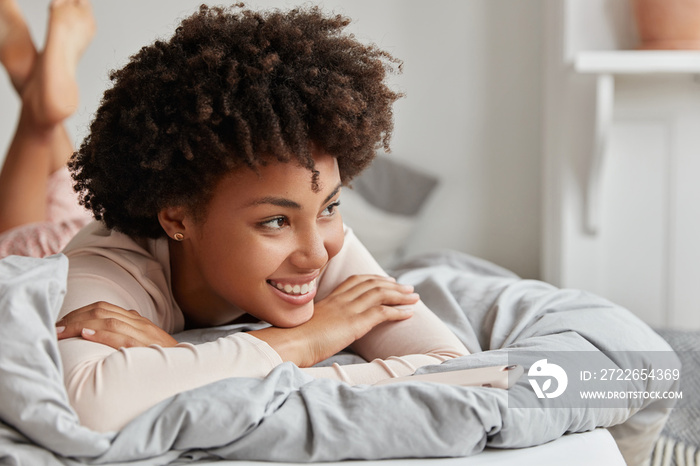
(407, 288)
(60, 329)
(88, 331)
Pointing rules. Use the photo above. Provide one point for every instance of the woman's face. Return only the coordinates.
(263, 243)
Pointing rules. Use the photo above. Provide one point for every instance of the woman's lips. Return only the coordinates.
(297, 294)
(294, 289)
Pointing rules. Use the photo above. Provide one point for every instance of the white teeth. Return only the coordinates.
(295, 289)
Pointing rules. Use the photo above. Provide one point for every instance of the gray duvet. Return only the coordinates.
(289, 416)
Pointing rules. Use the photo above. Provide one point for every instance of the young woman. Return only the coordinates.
(214, 168)
(39, 210)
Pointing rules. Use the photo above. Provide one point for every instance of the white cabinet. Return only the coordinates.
(622, 168)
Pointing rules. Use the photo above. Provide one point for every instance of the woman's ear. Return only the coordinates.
(172, 219)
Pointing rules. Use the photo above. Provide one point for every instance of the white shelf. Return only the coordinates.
(638, 62)
(604, 65)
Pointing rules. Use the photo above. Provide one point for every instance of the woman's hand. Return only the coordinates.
(112, 326)
(354, 308)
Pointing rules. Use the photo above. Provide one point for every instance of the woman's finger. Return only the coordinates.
(365, 321)
(112, 339)
(63, 332)
(371, 285)
(362, 298)
(355, 280)
(97, 310)
(143, 333)
(115, 324)
(112, 325)
(392, 313)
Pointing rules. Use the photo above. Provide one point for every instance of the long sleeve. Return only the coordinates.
(109, 387)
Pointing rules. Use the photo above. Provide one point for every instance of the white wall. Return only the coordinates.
(471, 115)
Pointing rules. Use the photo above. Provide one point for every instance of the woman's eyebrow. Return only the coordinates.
(288, 203)
(332, 194)
(277, 201)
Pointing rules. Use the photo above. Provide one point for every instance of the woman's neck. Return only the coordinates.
(199, 304)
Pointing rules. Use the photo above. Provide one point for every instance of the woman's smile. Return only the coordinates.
(296, 289)
(294, 294)
(262, 245)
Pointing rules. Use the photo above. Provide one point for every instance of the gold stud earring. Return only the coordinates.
(178, 236)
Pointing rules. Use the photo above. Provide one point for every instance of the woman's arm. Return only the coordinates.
(108, 387)
(394, 349)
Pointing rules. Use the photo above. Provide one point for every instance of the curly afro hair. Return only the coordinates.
(232, 88)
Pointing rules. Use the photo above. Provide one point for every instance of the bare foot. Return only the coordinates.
(51, 91)
(17, 51)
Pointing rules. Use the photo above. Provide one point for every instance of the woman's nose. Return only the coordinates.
(311, 251)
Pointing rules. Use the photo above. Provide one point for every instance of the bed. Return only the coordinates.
(289, 417)
(583, 449)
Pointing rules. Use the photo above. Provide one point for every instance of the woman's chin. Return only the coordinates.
(295, 318)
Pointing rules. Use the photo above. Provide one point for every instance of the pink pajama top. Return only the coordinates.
(109, 387)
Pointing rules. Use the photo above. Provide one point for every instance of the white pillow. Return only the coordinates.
(384, 234)
(384, 204)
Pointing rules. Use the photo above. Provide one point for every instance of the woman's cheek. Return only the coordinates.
(335, 238)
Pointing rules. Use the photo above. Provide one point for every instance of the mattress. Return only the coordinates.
(584, 449)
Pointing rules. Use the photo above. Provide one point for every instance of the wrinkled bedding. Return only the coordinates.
(288, 416)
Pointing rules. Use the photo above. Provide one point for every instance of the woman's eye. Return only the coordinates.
(276, 223)
(330, 210)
